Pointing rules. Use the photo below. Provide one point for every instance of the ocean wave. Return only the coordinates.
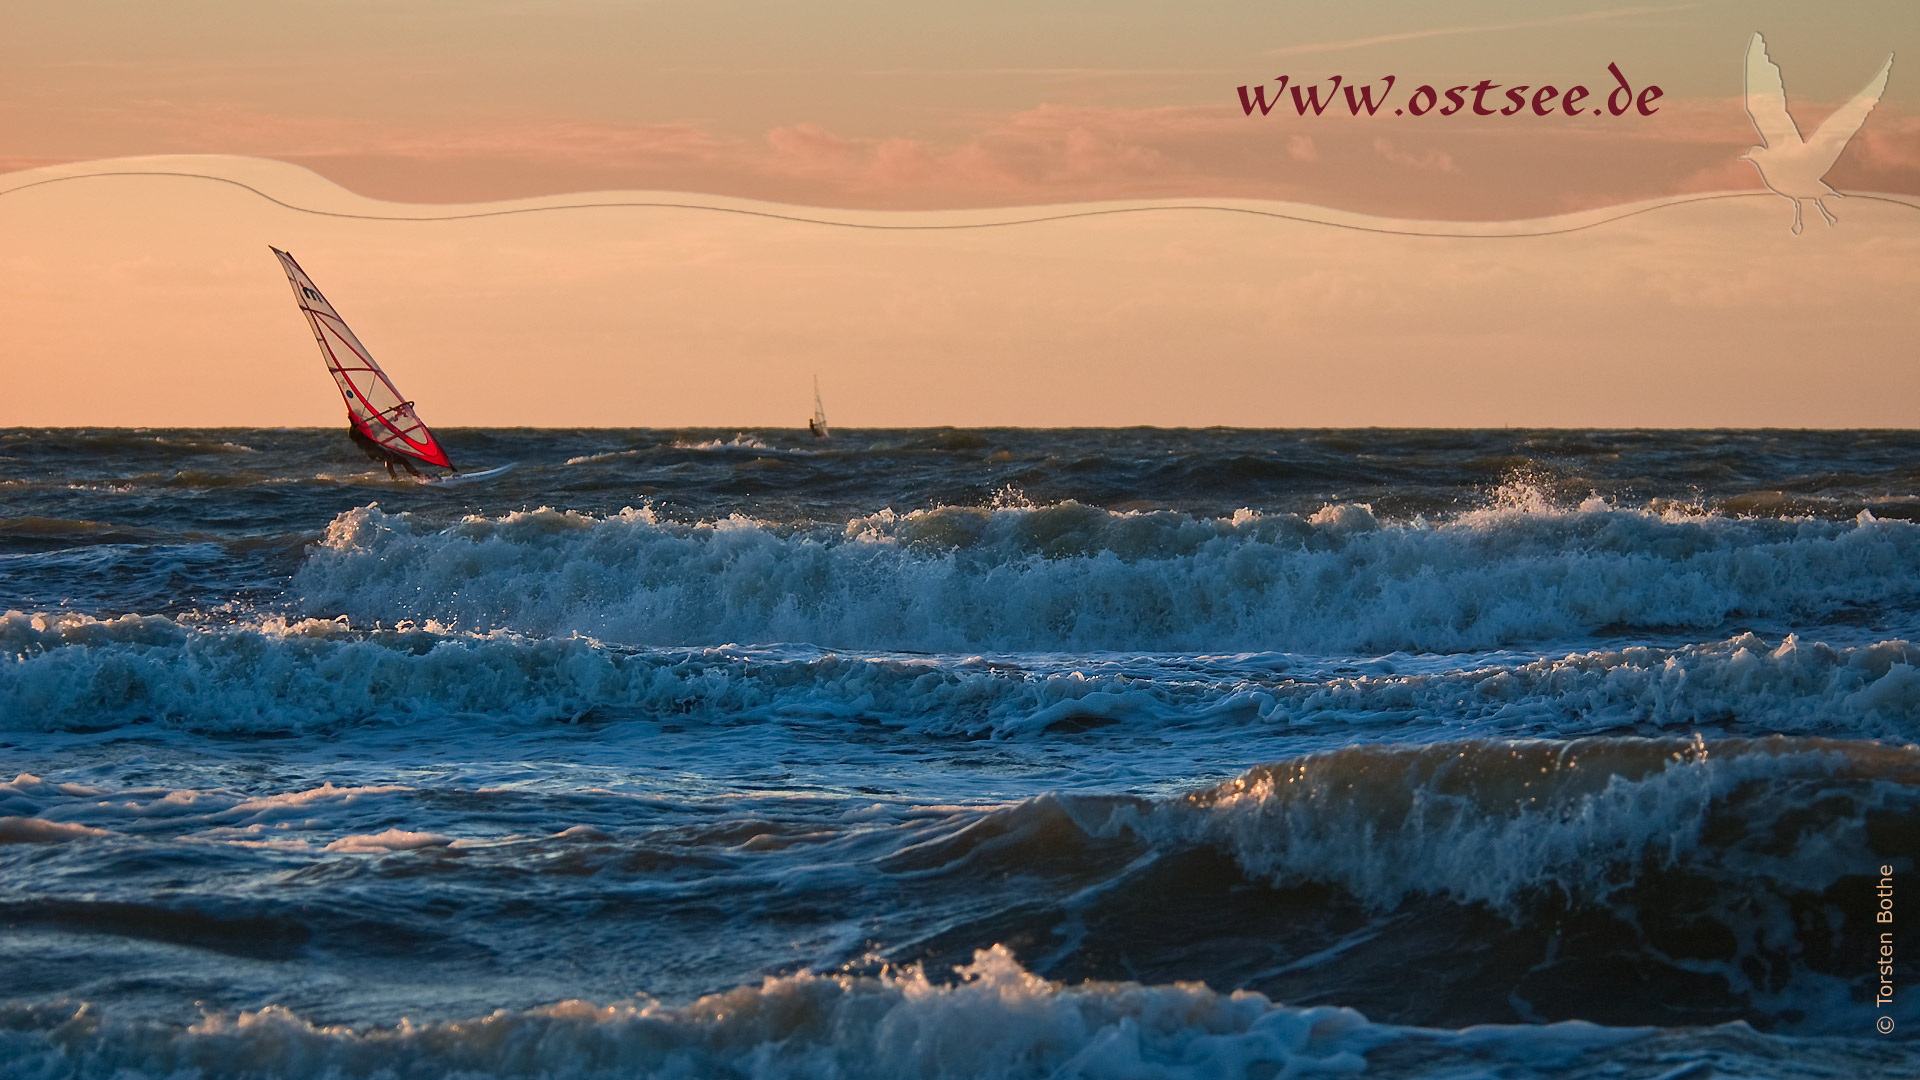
(604, 455)
(991, 1018)
(676, 449)
(74, 672)
(41, 811)
(117, 443)
(1074, 577)
(1504, 822)
(1743, 684)
(1622, 880)
(1496, 820)
(995, 1019)
(740, 441)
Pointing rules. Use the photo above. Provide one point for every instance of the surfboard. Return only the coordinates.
(456, 479)
(382, 421)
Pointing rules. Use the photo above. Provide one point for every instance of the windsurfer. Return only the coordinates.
(377, 452)
(380, 422)
(818, 425)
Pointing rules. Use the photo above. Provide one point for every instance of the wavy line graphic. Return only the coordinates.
(1624, 214)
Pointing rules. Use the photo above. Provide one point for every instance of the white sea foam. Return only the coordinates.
(740, 441)
(26, 830)
(70, 671)
(389, 840)
(607, 455)
(998, 1020)
(32, 810)
(1073, 577)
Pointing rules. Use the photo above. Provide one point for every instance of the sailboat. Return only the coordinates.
(380, 421)
(818, 425)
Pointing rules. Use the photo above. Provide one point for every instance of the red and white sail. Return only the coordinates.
(373, 404)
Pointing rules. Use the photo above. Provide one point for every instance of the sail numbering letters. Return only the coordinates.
(1361, 99)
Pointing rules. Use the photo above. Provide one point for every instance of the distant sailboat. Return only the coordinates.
(380, 421)
(818, 425)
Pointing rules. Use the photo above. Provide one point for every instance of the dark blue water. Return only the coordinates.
(969, 753)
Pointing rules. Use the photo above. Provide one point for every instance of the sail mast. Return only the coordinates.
(374, 405)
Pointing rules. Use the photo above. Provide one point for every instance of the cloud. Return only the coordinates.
(1093, 153)
(1890, 142)
(161, 125)
(1450, 31)
(1432, 160)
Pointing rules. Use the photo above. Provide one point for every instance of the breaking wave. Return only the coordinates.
(1491, 820)
(1617, 879)
(995, 1020)
(1073, 577)
(64, 672)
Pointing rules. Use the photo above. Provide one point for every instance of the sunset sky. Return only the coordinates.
(868, 106)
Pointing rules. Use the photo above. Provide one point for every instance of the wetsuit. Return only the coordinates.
(380, 453)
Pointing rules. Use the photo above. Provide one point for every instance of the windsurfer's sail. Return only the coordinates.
(818, 425)
(378, 413)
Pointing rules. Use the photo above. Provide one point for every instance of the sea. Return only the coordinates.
(961, 753)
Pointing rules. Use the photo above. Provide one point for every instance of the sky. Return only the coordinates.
(915, 109)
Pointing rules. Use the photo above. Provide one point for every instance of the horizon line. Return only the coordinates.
(742, 428)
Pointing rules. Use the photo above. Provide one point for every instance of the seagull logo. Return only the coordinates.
(1792, 167)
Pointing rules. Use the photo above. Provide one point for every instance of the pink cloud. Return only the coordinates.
(1026, 154)
(1432, 160)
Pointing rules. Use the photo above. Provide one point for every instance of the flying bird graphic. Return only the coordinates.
(1790, 166)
